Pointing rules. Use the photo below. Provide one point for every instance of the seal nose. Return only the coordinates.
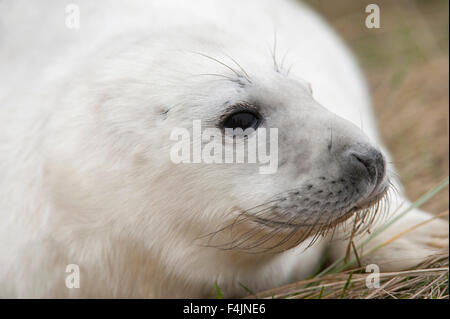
(364, 162)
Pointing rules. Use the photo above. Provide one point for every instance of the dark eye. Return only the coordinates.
(243, 120)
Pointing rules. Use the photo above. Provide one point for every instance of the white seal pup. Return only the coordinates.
(86, 114)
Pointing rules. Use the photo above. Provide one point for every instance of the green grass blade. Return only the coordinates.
(218, 292)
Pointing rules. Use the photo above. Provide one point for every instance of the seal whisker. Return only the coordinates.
(218, 75)
(284, 58)
(271, 234)
(264, 214)
(274, 52)
(238, 74)
(240, 67)
(235, 221)
(275, 232)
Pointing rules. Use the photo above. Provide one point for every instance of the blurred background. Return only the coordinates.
(406, 64)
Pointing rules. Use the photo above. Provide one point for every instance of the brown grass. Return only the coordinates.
(428, 281)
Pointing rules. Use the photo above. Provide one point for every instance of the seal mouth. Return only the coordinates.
(364, 207)
(269, 228)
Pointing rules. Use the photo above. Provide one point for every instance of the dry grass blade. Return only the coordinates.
(430, 280)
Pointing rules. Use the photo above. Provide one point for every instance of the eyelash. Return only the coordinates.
(239, 107)
(242, 107)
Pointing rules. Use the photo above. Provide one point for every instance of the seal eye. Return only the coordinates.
(243, 120)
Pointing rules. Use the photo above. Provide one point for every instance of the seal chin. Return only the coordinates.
(308, 211)
(368, 205)
(282, 224)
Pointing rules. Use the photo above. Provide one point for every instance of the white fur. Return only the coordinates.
(85, 175)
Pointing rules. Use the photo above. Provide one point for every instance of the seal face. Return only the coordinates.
(329, 170)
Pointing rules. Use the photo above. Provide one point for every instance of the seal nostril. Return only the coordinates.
(365, 162)
(368, 163)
